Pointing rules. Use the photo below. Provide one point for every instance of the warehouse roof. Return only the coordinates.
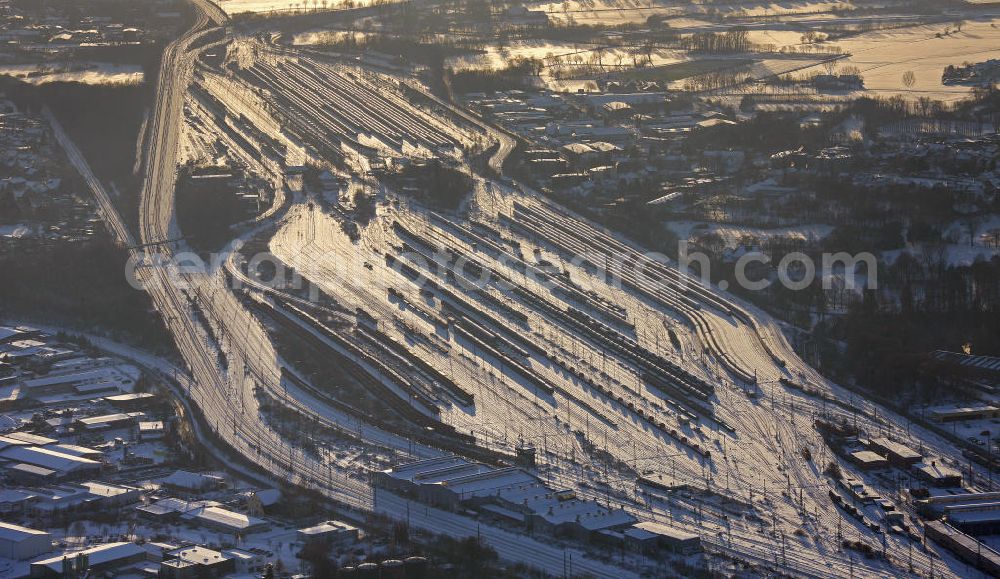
(198, 555)
(191, 480)
(98, 555)
(896, 448)
(31, 469)
(80, 377)
(17, 533)
(410, 470)
(47, 458)
(974, 516)
(7, 441)
(970, 361)
(868, 457)
(649, 529)
(588, 514)
(29, 438)
(328, 527)
(75, 450)
(15, 495)
(129, 397)
(488, 482)
(222, 517)
(105, 419)
(172, 505)
(936, 470)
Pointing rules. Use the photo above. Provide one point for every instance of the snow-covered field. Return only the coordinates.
(733, 234)
(955, 249)
(637, 11)
(84, 72)
(238, 6)
(605, 11)
(883, 57)
(562, 55)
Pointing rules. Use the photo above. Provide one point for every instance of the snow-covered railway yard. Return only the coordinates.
(597, 423)
(626, 386)
(364, 111)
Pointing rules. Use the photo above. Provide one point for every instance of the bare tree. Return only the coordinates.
(909, 79)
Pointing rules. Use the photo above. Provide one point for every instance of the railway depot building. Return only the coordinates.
(650, 537)
(521, 499)
(450, 481)
(899, 455)
(965, 547)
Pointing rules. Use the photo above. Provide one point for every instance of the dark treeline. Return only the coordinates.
(735, 40)
(103, 120)
(206, 211)
(80, 284)
(436, 184)
(888, 341)
(766, 132)
(519, 74)
(982, 106)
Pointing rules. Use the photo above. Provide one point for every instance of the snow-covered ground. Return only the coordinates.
(759, 463)
(637, 11)
(16, 231)
(83, 72)
(734, 234)
(884, 57)
(238, 6)
(755, 496)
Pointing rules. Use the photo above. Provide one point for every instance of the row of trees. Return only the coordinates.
(519, 74)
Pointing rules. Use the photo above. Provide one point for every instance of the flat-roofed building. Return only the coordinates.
(106, 378)
(81, 451)
(207, 562)
(332, 532)
(170, 509)
(105, 558)
(967, 548)
(955, 413)
(107, 421)
(30, 474)
(246, 562)
(226, 520)
(937, 474)
(151, 430)
(934, 506)
(64, 465)
(178, 569)
(473, 486)
(401, 478)
(982, 519)
(580, 519)
(868, 460)
(90, 495)
(25, 438)
(651, 537)
(898, 454)
(193, 481)
(131, 401)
